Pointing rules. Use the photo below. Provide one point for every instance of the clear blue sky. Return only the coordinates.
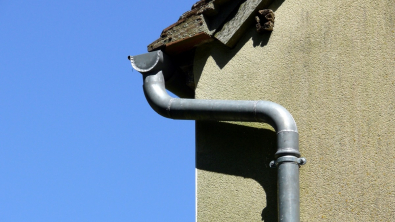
(78, 141)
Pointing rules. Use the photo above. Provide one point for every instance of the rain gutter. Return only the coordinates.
(157, 68)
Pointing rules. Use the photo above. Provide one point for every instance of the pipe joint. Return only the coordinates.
(287, 144)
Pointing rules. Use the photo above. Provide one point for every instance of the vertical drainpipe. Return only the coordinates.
(157, 68)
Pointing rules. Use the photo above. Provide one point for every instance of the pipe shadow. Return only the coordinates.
(245, 152)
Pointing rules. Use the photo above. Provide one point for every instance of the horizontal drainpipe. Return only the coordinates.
(157, 68)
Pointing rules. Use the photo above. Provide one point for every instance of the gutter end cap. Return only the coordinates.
(146, 62)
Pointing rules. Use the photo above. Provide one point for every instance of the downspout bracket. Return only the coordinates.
(300, 161)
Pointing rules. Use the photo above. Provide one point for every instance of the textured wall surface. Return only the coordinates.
(332, 65)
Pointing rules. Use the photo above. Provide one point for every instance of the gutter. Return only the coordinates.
(157, 68)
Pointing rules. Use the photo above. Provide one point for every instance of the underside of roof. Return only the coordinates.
(208, 20)
(224, 20)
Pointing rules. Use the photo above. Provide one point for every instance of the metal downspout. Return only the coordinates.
(156, 68)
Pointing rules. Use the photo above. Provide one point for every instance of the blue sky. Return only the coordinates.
(78, 141)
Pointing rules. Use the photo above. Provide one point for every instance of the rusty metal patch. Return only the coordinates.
(265, 20)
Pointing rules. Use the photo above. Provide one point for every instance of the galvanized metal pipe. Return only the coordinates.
(288, 188)
(156, 68)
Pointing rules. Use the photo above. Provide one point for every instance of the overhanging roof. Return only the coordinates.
(224, 20)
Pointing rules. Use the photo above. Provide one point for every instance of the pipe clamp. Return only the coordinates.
(300, 161)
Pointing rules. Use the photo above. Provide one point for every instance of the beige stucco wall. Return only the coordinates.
(332, 65)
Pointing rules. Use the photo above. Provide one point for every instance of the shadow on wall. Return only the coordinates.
(222, 54)
(246, 152)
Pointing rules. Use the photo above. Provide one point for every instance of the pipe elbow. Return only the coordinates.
(279, 117)
(284, 124)
(156, 94)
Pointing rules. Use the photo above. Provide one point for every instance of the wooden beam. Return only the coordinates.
(206, 16)
(238, 24)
